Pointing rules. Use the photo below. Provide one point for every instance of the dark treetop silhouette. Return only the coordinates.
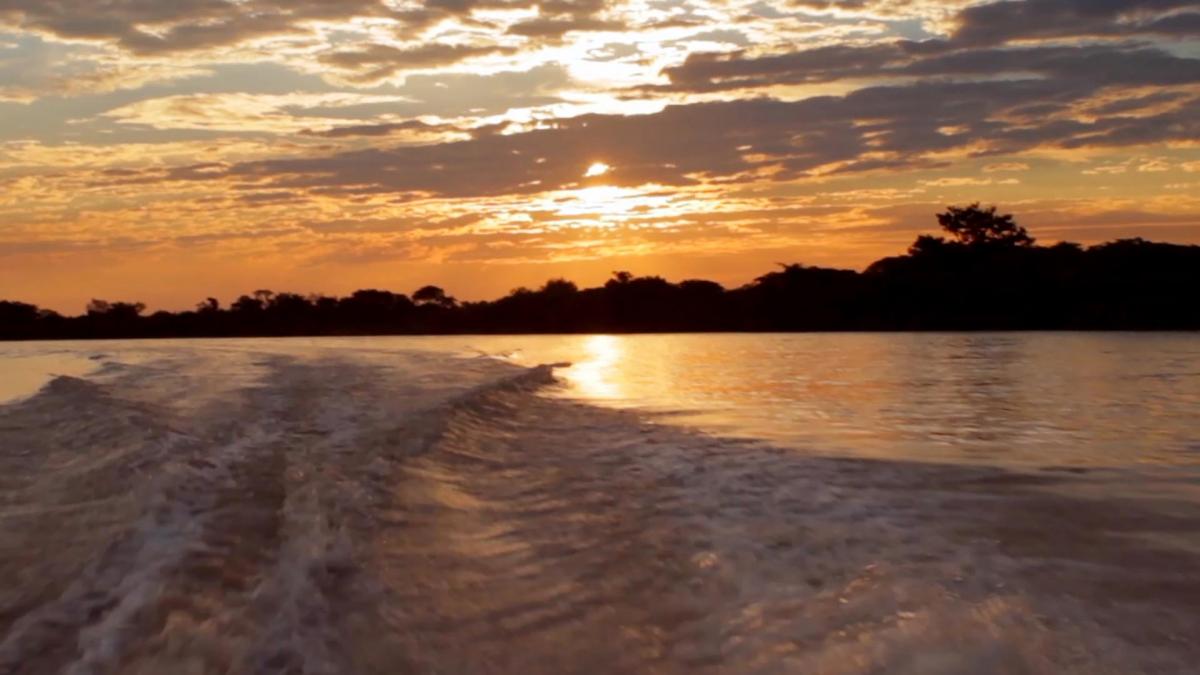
(990, 276)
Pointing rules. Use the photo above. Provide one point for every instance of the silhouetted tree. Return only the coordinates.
(375, 299)
(701, 288)
(559, 288)
(621, 277)
(432, 295)
(292, 304)
(927, 244)
(118, 311)
(15, 313)
(246, 305)
(975, 226)
(373, 310)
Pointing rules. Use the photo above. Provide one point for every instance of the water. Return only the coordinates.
(1013, 399)
(26, 370)
(884, 503)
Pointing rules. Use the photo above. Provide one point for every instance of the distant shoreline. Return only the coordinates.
(993, 279)
(298, 336)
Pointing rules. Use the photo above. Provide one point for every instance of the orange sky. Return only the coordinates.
(168, 151)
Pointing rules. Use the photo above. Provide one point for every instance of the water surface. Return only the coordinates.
(1080, 399)
(842, 504)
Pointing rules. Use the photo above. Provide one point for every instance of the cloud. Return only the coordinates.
(1156, 101)
(1094, 65)
(702, 72)
(1006, 166)
(151, 27)
(967, 182)
(556, 18)
(253, 113)
(376, 62)
(31, 68)
(875, 128)
(1154, 165)
(999, 22)
(452, 95)
(557, 27)
(383, 129)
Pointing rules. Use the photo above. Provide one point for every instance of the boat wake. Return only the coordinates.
(325, 513)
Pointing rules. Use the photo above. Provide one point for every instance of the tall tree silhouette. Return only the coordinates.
(976, 226)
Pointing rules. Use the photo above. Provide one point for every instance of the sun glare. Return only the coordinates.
(594, 375)
(596, 169)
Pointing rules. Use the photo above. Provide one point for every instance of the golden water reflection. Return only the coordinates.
(596, 375)
(22, 375)
(1030, 399)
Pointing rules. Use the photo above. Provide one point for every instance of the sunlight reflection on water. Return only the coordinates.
(1040, 399)
(595, 375)
(22, 375)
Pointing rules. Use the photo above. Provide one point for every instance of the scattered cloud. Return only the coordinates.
(278, 114)
(376, 62)
(999, 22)
(1006, 166)
(967, 182)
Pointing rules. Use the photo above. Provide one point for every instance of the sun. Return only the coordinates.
(596, 169)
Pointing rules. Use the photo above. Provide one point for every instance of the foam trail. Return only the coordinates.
(280, 509)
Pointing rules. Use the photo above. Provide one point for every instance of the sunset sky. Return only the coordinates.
(168, 150)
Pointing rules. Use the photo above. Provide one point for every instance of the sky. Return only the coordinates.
(164, 151)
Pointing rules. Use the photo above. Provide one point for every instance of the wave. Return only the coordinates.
(338, 513)
(238, 515)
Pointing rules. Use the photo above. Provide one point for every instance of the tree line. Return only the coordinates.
(987, 273)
